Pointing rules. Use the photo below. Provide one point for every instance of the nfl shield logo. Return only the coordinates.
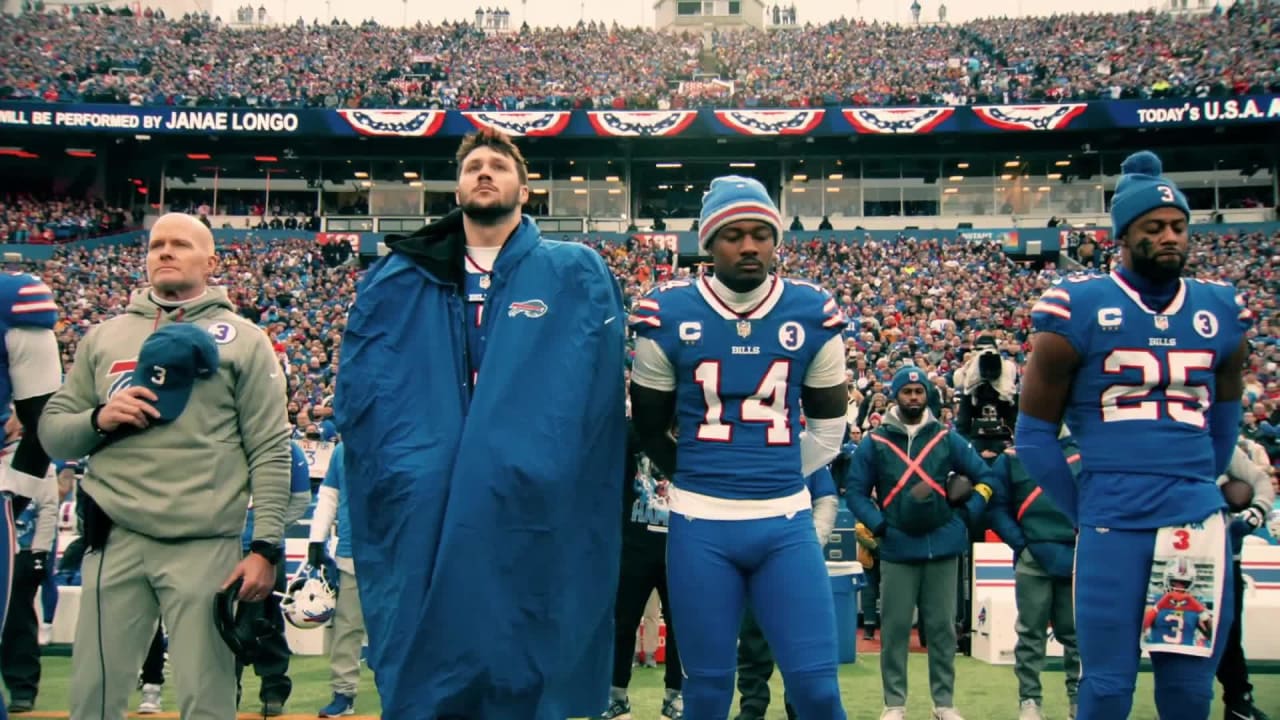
(1162, 322)
(744, 328)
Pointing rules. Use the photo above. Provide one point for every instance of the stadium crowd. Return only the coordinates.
(25, 218)
(921, 300)
(69, 56)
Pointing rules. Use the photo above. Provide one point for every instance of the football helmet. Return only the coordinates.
(311, 597)
(1179, 575)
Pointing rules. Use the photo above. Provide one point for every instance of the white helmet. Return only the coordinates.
(1180, 571)
(310, 599)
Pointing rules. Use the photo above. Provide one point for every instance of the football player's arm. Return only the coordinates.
(825, 400)
(822, 486)
(1046, 386)
(1243, 468)
(861, 480)
(299, 487)
(1227, 411)
(35, 372)
(966, 460)
(653, 404)
(1002, 511)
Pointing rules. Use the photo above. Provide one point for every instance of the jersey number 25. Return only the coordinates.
(1185, 402)
(768, 404)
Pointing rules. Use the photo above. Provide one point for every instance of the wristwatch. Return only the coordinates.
(271, 552)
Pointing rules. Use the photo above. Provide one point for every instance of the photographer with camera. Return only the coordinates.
(986, 387)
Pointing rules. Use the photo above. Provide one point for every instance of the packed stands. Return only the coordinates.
(921, 299)
(71, 56)
(27, 219)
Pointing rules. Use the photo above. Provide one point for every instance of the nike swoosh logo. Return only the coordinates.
(611, 319)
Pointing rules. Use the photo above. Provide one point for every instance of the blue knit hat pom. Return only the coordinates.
(1143, 162)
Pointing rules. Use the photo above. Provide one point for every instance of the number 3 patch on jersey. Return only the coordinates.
(1185, 588)
(222, 332)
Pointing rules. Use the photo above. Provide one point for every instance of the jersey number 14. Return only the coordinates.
(767, 405)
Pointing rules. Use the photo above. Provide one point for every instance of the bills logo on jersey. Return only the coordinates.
(1029, 117)
(402, 123)
(771, 122)
(532, 124)
(641, 123)
(894, 121)
(120, 375)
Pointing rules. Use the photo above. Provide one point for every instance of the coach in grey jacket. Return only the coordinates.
(181, 404)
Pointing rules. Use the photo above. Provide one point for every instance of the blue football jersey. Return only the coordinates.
(738, 380)
(25, 301)
(1140, 397)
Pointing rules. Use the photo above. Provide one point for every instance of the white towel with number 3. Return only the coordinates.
(1184, 593)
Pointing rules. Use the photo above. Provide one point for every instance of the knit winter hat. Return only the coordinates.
(1142, 189)
(732, 198)
(909, 375)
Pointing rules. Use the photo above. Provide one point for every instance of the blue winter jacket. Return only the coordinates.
(483, 524)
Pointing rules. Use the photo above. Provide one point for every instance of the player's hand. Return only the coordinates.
(131, 406)
(259, 578)
(988, 454)
(1254, 517)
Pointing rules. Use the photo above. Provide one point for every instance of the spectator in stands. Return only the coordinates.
(225, 369)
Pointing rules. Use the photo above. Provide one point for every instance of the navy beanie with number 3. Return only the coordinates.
(1142, 188)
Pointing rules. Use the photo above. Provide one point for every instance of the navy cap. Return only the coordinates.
(170, 362)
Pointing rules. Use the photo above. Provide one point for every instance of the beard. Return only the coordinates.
(911, 414)
(490, 212)
(1154, 270)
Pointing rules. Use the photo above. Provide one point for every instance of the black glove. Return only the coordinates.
(316, 555)
(39, 564)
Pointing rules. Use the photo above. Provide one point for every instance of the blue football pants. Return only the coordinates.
(715, 567)
(1112, 571)
(6, 568)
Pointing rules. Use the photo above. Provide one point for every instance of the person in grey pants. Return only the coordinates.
(348, 618)
(1044, 544)
(921, 520)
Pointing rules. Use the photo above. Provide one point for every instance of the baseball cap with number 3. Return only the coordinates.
(169, 363)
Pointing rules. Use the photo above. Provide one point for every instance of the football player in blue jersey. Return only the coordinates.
(30, 372)
(732, 359)
(1145, 367)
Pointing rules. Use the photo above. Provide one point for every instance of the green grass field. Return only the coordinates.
(983, 692)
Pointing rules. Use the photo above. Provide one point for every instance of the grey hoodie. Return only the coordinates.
(190, 478)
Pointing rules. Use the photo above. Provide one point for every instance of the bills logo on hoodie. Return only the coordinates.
(120, 375)
(1029, 117)
(402, 123)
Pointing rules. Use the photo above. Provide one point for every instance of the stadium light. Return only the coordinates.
(742, 164)
(963, 165)
(833, 189)
(798, 177)
(1054, 176)
(1063, 163)
(266, 158)
(950, 191)
(535, 176)
(1006, 176)
(668, 165)
(1043, 188)
(611, 178)
(1012, 163)
(198, 156)
(361, 174)
(410, 175)
(81, 153)
(577, 178)
(956, 178)
(835, 176)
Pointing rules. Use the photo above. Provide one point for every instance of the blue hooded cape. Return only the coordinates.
(484, 525)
